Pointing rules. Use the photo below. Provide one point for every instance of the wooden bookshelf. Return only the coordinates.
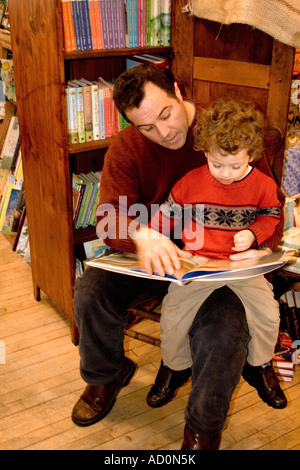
(41, 71)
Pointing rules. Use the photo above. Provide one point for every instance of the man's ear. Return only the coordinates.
(177, 91)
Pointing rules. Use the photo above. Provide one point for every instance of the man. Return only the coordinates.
(141, 166)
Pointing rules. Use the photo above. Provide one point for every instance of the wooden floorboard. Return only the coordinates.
(40, 383)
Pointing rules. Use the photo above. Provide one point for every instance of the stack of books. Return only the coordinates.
(283, 364)
(114, 24)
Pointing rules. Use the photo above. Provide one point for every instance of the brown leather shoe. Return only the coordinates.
(264, 379)
(195, 441)
(97, 400)
(166, 383)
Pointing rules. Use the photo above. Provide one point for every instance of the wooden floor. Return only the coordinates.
(40, 383)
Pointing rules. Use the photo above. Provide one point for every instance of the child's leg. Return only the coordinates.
(262, 312)
(179, 309)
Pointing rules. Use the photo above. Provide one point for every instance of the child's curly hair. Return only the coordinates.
(230, 125)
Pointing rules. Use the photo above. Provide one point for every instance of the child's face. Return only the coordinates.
(229, 168)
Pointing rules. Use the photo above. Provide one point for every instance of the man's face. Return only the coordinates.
(161, 118)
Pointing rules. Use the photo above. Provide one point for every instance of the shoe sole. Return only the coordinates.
(171, 395)
(108, 409)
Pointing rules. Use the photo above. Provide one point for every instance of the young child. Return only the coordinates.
(240, 211)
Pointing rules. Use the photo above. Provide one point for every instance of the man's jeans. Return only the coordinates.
(219, 338)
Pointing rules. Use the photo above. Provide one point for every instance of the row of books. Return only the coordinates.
(92, 113)
(285, 357)
(11, 179)
(114, 24)
(85, 192)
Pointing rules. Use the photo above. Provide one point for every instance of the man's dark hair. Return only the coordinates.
(129, 86)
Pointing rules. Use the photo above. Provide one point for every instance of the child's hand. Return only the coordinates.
(243, 240)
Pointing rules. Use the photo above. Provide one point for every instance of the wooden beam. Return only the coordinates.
(232, 72)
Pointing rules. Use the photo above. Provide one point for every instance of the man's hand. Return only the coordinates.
(156, 252)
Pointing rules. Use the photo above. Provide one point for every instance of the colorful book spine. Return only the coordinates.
(103, 16)
(69, 33)
(87, 192)
(155, 23)
(135, 22)
(95, 111)
(79, 203)
(143, 23)
(115, 26)
(148, 22)
(93, 24)
(72, 115)
(80, 114)
(98, 24)
(101, 111)
(85, 24)
(109, 20)
(77, 28)
(165, 22)
(121, 23)
(76, 189)
(130, 22)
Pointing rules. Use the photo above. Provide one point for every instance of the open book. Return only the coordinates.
(195, 268)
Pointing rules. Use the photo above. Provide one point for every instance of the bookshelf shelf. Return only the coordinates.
(93, 54)
(87, 146)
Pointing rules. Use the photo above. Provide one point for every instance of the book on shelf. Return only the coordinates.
(21, 245)
(76, 23)
(93, 24)
(7, 76)
(19, 209)
(99, 37)
(113, 24)
(155, 23)
(11, 143)
(72, 114)
(76, 191)
(195, 268)
(137, 59)
(11, 199)
(9, 202)
(85, 24)
(68, 25)
(79, 110)
(78, 185)
(165, 22)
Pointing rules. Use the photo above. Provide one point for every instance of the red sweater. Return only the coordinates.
(145, 173)
(216, 212)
